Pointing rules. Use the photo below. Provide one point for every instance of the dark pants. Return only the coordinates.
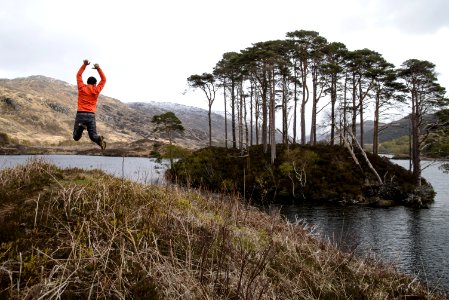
(86, 119)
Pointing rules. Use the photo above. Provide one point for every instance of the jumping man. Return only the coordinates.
(87, 105)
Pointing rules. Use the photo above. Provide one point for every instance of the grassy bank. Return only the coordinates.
(75, 234)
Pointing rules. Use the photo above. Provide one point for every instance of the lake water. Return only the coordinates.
(139, 169)
(415, 240)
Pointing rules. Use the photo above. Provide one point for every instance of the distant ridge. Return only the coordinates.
(194, 119)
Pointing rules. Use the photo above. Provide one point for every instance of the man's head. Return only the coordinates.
(92, 80)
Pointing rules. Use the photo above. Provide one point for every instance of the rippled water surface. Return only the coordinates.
(134, 168)
(415, 240)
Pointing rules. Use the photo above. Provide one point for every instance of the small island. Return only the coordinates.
(320, 173)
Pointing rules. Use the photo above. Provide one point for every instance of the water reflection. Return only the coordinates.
(415, 240)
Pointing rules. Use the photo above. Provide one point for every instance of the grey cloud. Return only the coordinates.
(415, 16)
(34, 51)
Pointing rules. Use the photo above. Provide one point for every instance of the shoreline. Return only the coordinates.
(140, 148)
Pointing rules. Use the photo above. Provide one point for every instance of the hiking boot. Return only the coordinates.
(102, 143)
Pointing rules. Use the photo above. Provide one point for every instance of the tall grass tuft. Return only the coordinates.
(77, 234)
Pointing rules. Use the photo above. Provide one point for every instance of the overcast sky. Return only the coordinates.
(147, 49)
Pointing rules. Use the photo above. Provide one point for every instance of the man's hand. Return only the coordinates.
(96, 66)
(86, 62)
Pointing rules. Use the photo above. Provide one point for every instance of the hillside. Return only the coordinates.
(73, 234)
(39, 110)
(393, 130)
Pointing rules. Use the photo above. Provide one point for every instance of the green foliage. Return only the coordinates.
(177, 151)
(155, 153)
(399, 146)
(438, 146)
(204, 168)
(286, 169)
(200, 81)
(167, 122)
(443, 118)
(438, 138)
(4, 138)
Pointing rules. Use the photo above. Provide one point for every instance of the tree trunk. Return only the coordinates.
(225, 115)
(234, 142)
(245, 121)
(333, 102)
(256, 116)
(314, 109)
(169, 148)
(303, 123)
(354, 107)
(416, 151)
(345, 106)
(295, 104)
(272, 118)
(367, 160)
(376, 125)
(265, 114)
(284, 110)
(209, 115)
(305, 98)
(312, 139)
(251, 114)
(362, 143)
(240, 112)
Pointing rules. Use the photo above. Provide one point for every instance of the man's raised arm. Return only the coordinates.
(102, 76)
(79, 75)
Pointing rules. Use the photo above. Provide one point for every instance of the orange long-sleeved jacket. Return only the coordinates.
(88, 93)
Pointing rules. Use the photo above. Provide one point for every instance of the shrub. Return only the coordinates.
(4, 138)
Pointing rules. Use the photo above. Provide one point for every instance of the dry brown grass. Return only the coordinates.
(83, 235)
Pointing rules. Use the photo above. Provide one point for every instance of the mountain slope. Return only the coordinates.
(41, 110)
